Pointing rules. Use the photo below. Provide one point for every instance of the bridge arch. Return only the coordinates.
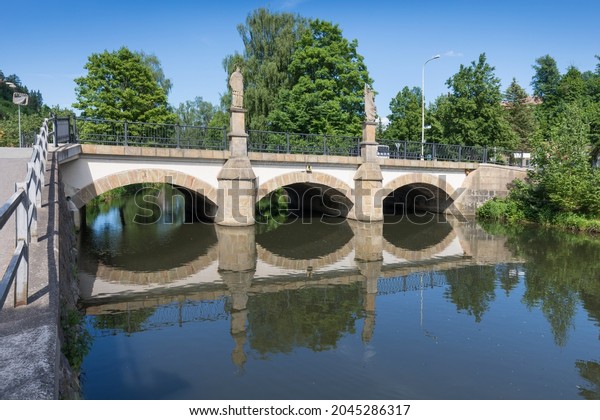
(138, 176)
(419, 191)
(302, 177)
(420, 178)
(307, 192)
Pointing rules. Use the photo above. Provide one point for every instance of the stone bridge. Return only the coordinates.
(226, 188)
(224, 185)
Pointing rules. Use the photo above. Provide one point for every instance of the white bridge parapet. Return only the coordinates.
(90, 170)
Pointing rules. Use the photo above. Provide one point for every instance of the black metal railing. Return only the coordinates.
(124, 133)
(402, 149)
(299, 143)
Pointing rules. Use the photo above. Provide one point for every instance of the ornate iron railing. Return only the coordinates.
(24, 205)
(124, 133)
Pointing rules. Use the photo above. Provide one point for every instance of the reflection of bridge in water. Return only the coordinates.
(238, 269)
(350, 245)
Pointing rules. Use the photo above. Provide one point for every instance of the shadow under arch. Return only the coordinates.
(417, 242)
(139, 176)
(335, 196)
(418, 192)
(305, 240)
(147, 254)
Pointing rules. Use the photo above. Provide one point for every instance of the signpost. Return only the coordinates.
(19, 99)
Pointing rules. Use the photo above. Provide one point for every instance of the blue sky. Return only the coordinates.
(47, 44)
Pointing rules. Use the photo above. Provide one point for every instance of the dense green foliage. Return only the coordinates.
(564, 188)
(520, 114)
(473, 114)
(121, 86)
(405, 119)
(328, 79)
(32, 114)
(196, 112)
(270, 40)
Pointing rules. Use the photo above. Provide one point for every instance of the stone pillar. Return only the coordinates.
(368, 251)
(368, 200)
(237, 262)
(236, 197)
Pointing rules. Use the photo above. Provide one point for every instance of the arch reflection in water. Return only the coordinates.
(381, 327)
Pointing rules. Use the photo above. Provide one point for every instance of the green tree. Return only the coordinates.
(571, 87)
(270, 40)
(546, 78)
(473, 114)
(119, 85)
(197, 112)
(520, 114)
(328, 78)
(565, 182)
(155, 67)
(405, 119)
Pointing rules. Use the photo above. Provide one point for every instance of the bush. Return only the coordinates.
(501, 210)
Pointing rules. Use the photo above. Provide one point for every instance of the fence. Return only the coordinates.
(124, 133)
(401, 149)
(24, 204)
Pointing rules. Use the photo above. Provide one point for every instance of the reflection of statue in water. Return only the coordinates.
(370, 109)
(236, 81)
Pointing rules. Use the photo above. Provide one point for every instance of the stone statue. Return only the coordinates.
(370, 109)
(236, 81)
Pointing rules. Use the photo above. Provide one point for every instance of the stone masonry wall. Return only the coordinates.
(69, 387)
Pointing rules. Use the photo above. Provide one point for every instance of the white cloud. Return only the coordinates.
(452, 53)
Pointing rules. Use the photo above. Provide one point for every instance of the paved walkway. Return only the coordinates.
(29, 350)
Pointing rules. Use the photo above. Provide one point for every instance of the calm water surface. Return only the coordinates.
(335, 309)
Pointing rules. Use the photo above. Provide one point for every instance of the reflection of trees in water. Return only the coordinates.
(129, 322)
(590, 371)
(508, 277)
(471, 289)
(562, 269)
(315, 318)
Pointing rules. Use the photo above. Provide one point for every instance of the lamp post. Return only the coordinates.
(435, 57)
(18, 99)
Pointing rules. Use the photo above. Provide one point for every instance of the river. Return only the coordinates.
(418, 307)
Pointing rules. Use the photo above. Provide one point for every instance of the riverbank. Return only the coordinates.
(511, 211)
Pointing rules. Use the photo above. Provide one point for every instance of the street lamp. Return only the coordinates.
(435, 57)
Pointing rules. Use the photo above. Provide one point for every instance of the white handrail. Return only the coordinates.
(24, 204)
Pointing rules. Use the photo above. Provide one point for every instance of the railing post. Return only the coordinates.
(287, 142)
(32, 194)
(22, 234)
(225, 139)
(433, 156)
(178, 130)
(55, 136)
(405, 143)
(125, 133)
(324, 144)
(459, 152)
(484, 154)
(75, 134)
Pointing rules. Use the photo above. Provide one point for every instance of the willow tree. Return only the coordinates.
(270, 40)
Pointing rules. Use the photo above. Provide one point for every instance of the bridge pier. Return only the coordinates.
(368, 180)
(368, 248)
(237, 182)
(237, 264)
